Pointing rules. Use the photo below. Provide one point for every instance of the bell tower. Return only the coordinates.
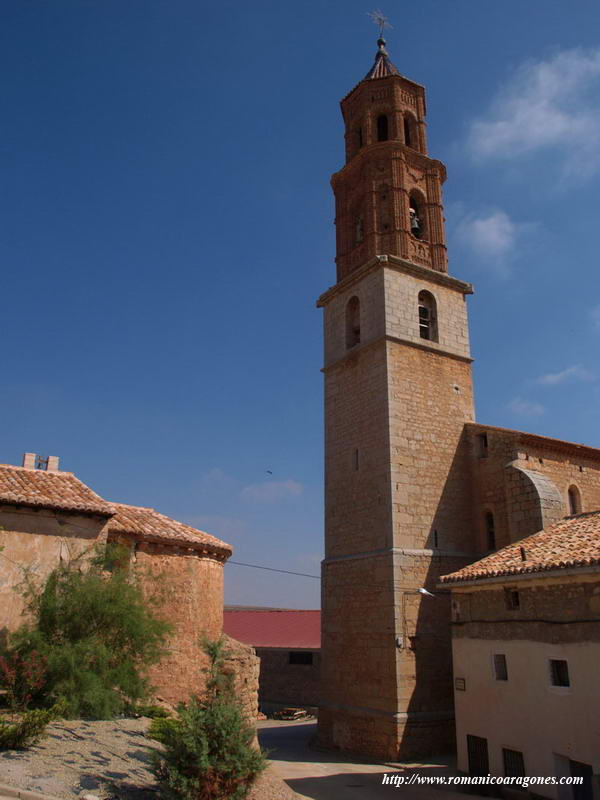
(398, 392)
(389, 194)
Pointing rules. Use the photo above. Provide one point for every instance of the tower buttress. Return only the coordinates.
(398, 392)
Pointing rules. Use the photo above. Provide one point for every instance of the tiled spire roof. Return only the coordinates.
(382, 66)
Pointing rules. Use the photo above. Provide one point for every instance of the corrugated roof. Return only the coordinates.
(151, 526)
(38, 488)
(572, 542)
(291, 629)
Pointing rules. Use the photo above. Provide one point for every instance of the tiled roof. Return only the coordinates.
(274, 627)
(61, 491)
(150, 526)
(572, 542)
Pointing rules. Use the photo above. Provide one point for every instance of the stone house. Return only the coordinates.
(48, 516)
(526, 649)
(288, 643)
(415, 488)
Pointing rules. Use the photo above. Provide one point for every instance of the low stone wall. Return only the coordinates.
(243, 663)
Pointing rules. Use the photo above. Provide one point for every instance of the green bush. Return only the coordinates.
(97, 635)
(152, 711)
(208, 748)
(25, 731)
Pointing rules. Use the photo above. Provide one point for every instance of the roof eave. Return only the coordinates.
(508, 577)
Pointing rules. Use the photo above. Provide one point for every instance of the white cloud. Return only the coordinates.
(549, 104)
(492, 237)
(272, 491)
(576, 372)
(525, 408)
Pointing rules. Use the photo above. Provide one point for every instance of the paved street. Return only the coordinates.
(319, 775)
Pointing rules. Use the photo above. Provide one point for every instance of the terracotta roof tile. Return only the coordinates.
(56, 490)
(572, 542)
(150, 526)
(274, 627)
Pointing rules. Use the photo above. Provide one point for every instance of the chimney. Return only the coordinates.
(29, 460)
(45, 464)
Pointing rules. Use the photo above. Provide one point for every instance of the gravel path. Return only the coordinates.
(107, 759)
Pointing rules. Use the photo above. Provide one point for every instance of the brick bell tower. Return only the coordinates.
(397, 394)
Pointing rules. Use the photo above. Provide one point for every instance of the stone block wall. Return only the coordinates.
(523, 480)
(36, 541)
(288, 684)
(561, 609)
(188, 589)
(243, 663)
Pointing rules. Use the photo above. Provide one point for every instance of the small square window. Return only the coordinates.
(300, 657)
(514, 764)
(559, 672)
(512, 599)
(500, 667)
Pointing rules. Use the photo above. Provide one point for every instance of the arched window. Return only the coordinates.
(490, 531)
(353, 322)
(359, 137)
(574, 500)
(416, 212)
(427, 317)
(382, 128)
(410, 132)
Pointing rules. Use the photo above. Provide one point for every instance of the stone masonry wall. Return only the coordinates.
(290, 684)
(497, 487)
(401, 311)
(243, 663)
(189, 591)
(37, 541)
(557, 610)
(357, 469)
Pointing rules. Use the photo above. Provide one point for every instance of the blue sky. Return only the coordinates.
(166, 226)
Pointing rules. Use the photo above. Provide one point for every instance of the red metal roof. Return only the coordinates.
(291, 629)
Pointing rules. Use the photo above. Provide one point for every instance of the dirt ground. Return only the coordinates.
(107, 759)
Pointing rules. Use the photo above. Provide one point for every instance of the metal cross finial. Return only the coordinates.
(379, 19)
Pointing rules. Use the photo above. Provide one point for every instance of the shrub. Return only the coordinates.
(97, 635)
(22, 676)
(208, 747)
(21, 733)
(152, 711)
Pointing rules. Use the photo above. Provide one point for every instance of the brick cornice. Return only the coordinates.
(393, 149)
(399, 265)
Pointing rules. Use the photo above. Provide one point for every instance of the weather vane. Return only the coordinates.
(379, 19)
